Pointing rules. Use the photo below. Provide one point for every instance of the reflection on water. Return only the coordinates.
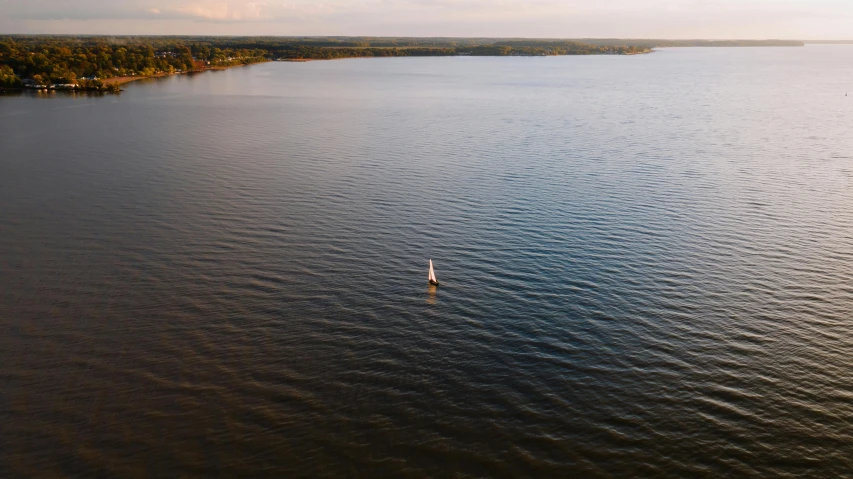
(51, 94)
(431, 293)
(223, 274)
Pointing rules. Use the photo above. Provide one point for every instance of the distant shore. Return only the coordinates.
(102, 64)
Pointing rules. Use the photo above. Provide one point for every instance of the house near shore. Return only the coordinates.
(90, 78)
(30, 83)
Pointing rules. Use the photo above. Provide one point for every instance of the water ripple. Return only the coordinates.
(645, 266)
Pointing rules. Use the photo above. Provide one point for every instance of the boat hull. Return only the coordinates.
(434, 283)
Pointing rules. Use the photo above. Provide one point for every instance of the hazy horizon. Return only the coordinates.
(494, 37)
(653, 19)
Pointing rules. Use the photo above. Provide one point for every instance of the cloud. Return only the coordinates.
(487, 10)
(225, 11)
(499, 18)
(250, 10)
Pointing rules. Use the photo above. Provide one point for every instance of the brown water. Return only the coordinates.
(646, 267)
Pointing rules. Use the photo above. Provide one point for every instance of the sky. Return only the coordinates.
(711, 19)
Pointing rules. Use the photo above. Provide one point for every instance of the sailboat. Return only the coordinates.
(432, 279)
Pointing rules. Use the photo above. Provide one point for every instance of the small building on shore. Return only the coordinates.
(30, 83)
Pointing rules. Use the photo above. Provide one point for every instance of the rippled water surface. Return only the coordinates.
(646, 267)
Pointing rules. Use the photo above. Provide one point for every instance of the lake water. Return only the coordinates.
(646, 269)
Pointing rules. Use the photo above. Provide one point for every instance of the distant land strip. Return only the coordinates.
(102, 63)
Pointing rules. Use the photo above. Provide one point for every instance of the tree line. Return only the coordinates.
(88, 60)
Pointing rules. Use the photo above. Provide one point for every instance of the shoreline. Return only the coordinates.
(304, 60)
(118, 81)
(127, 79)
(122, 80)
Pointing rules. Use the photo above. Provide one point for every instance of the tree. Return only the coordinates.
(41, 79)
(8, 79)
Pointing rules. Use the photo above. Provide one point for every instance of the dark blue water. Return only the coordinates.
(646, 269)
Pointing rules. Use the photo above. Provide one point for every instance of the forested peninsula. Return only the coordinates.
(102, 63)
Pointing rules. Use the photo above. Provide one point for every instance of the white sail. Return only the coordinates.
(432, 273)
